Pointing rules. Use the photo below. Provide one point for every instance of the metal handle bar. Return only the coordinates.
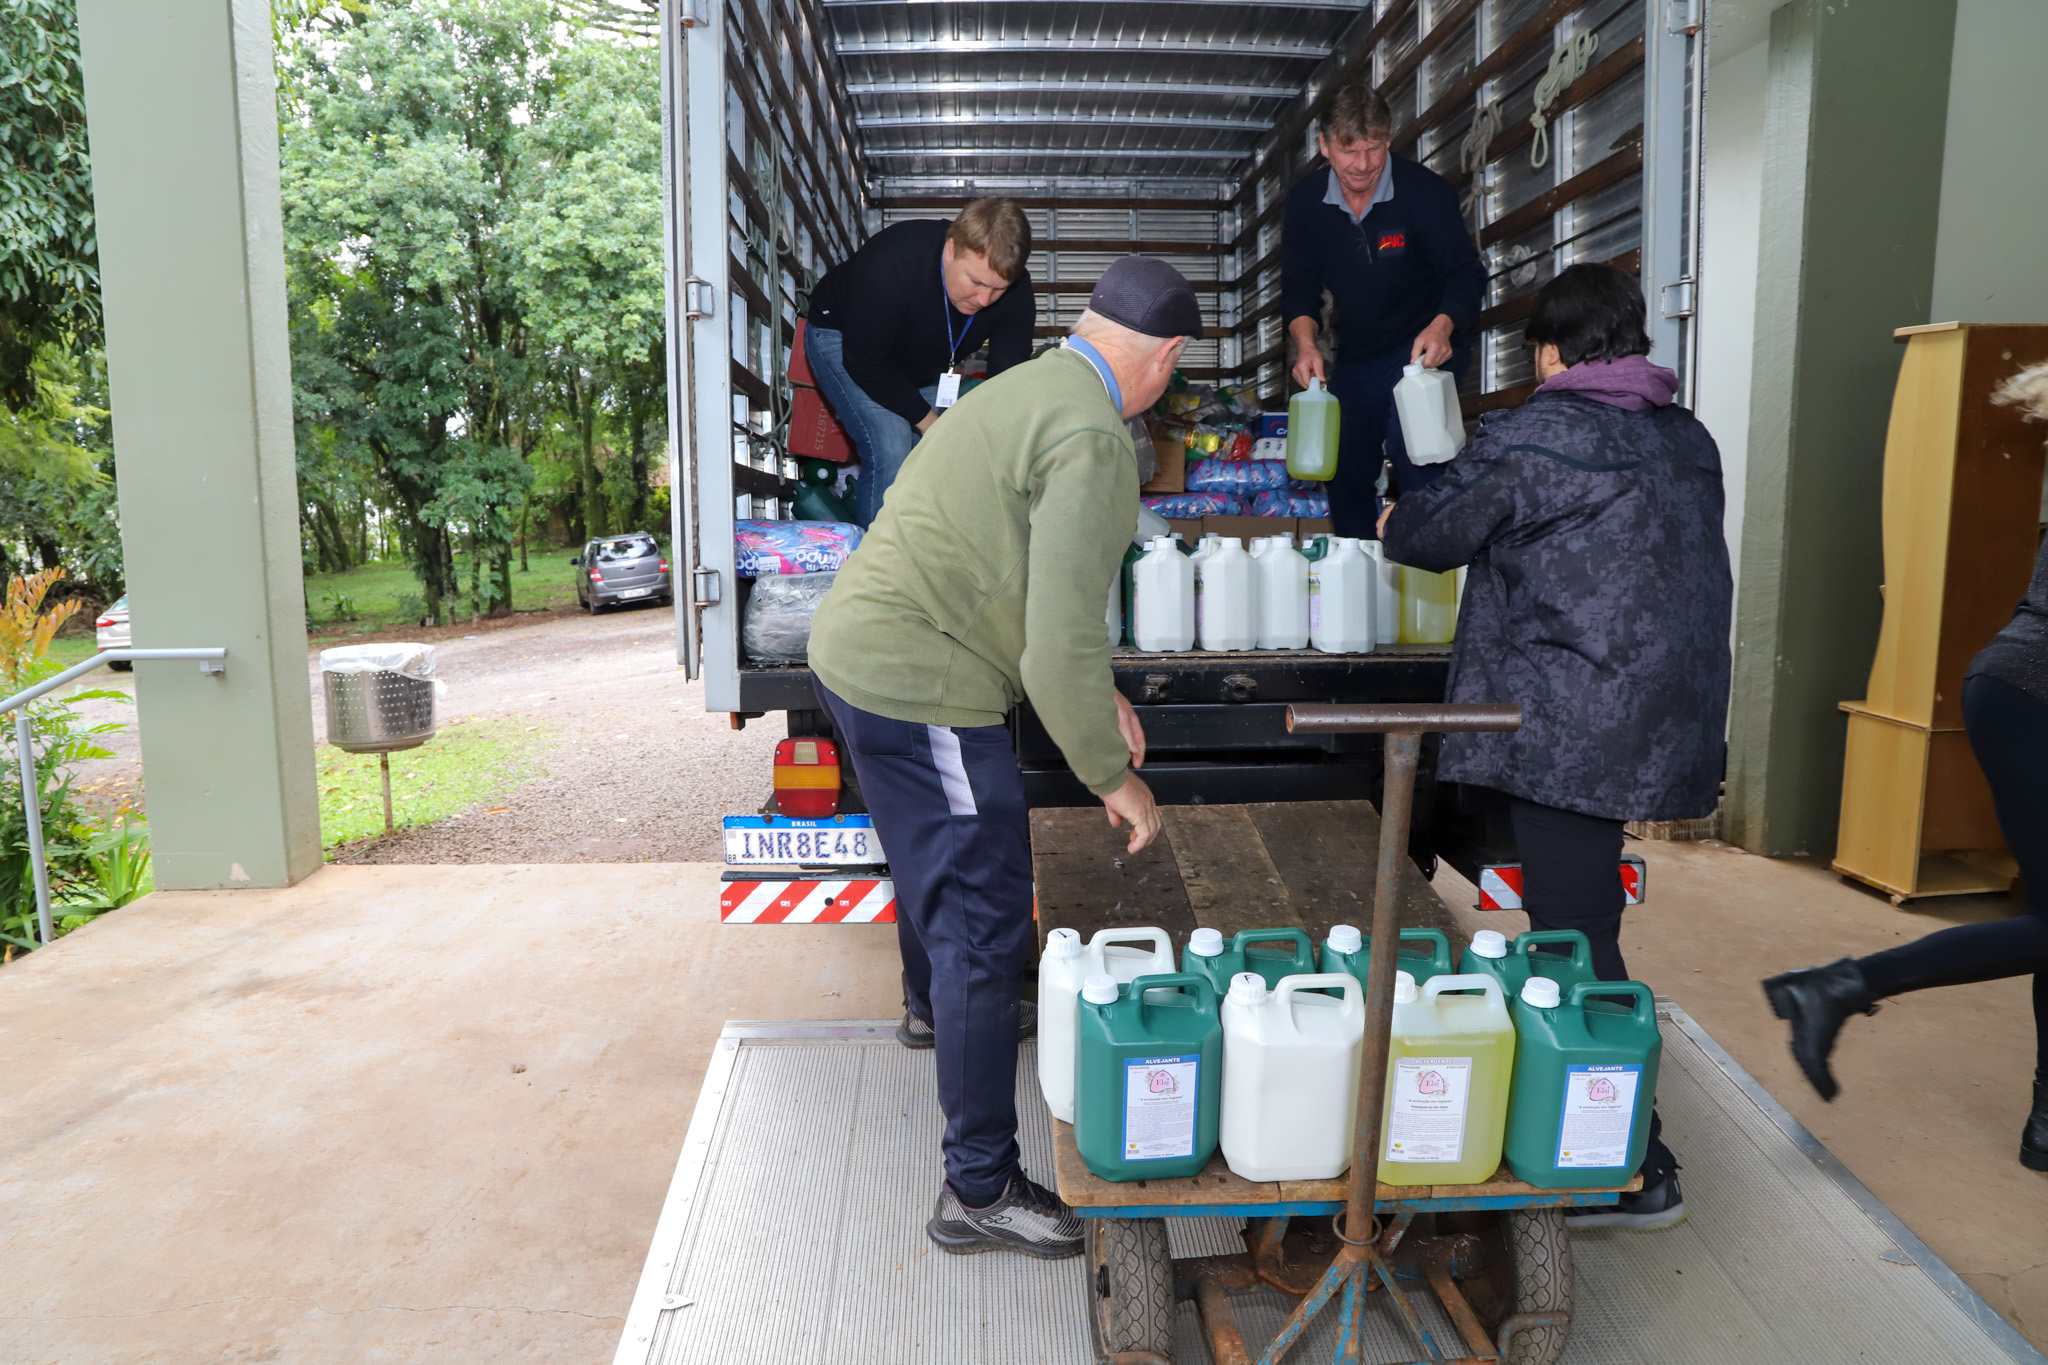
(1394, 717)
(31, 790)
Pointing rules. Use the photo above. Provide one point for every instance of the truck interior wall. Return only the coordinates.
(1731, 199)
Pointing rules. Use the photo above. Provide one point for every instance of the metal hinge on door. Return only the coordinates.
(704, 588)
(697, 299)
(1685, 16)
(1681, 300)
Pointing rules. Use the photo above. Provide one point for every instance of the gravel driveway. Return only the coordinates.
(634, 769)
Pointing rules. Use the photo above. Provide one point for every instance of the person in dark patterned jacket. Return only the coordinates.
(1598, 598)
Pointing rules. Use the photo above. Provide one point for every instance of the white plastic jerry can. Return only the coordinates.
(1283, 596)
(1340, 599)
(1064, 967)
(1290, 1075)
(1431, 424)
(1223, 598)
(1386, 593)
(1163, 598)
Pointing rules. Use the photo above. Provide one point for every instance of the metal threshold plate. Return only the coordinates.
(794, 1233)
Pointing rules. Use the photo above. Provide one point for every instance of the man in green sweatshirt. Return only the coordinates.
(983, 584)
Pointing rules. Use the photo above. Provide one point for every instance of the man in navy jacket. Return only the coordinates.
(1385, 236)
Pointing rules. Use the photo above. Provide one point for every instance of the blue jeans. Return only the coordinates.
(1368, 434)
(949, 807)
(882, 438)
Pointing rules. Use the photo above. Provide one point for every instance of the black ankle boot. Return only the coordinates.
(2034, 1137)
(1817, 1001)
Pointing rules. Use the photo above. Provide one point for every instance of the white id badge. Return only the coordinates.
(949, 391)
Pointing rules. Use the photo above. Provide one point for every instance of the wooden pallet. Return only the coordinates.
(1306, 864)
(1217, 1191)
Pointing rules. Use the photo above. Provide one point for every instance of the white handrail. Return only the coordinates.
(31, 790)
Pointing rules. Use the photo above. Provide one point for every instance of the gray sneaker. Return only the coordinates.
(1028, 1218)
(916, 1034)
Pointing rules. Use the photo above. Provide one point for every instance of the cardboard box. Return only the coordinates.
(1248, 528)
(1316, 526)
(1173, 467)
(1190, 530)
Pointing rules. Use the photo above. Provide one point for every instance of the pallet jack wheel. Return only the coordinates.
(1130, 1286)
(1534, 1274)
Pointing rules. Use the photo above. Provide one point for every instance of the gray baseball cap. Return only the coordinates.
(1149, 296)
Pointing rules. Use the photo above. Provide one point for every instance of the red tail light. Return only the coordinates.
(664, 563)
(807, 778)
(103, 623)
(596, 577)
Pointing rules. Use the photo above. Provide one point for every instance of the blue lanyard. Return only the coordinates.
(1095, 358)
(946, 309)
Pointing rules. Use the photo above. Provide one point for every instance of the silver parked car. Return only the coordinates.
(111, 630)
(628, 568)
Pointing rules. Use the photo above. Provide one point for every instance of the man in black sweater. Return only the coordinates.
(1385, 236)
(888, 325)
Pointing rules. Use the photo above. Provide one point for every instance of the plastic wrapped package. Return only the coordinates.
(792, 547)
(1236, 476)
(1287, 503)
(1186, 506)
(777, 628)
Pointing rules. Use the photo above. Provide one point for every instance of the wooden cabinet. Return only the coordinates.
(1962, 513)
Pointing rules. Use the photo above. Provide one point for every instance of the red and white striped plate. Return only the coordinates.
(1500, 884)
(807, 902)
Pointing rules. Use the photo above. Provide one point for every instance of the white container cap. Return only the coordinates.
(1404, 989)
(1541, 992)
(1234, 542)
(1206, 943)
(1062, 943)
(1099, 989)
(1412, 367)
(1345, 938)
(1490, 943)
(1248, 988)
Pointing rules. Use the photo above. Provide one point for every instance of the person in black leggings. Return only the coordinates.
(2005, 709)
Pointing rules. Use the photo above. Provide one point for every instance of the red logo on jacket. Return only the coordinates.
(1393, 241)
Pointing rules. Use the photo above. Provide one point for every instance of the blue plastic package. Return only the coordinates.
(1186, 506)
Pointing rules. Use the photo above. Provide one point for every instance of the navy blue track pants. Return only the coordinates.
(948, 804)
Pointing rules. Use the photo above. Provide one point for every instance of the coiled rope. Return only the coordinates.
(1567, 64)
(1472, 160)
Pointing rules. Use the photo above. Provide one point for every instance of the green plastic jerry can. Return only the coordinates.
(1210, 958)
(1312, 420)
(1347, 950)
(1514, 963)
(1585, 1082)
(1148, 1075)
(1132, 554)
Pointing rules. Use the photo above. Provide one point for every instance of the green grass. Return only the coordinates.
(384, 594)
(466, 762)
(74, 649)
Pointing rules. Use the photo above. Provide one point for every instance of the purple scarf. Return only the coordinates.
(1631, 383)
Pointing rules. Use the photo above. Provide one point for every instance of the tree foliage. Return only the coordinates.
(49, 257)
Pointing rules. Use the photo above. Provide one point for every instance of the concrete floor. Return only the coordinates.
(414, 1113)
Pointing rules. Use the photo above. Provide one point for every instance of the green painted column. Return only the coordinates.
(1853, 126)
(181, 108)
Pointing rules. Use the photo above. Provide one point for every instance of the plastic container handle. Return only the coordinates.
(1304, 949)
(1582, 949)
(1161, 941)
(1476, 981)
(1437, 939)
(1353, 988)
(1196, 985)
(1645, 1011)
